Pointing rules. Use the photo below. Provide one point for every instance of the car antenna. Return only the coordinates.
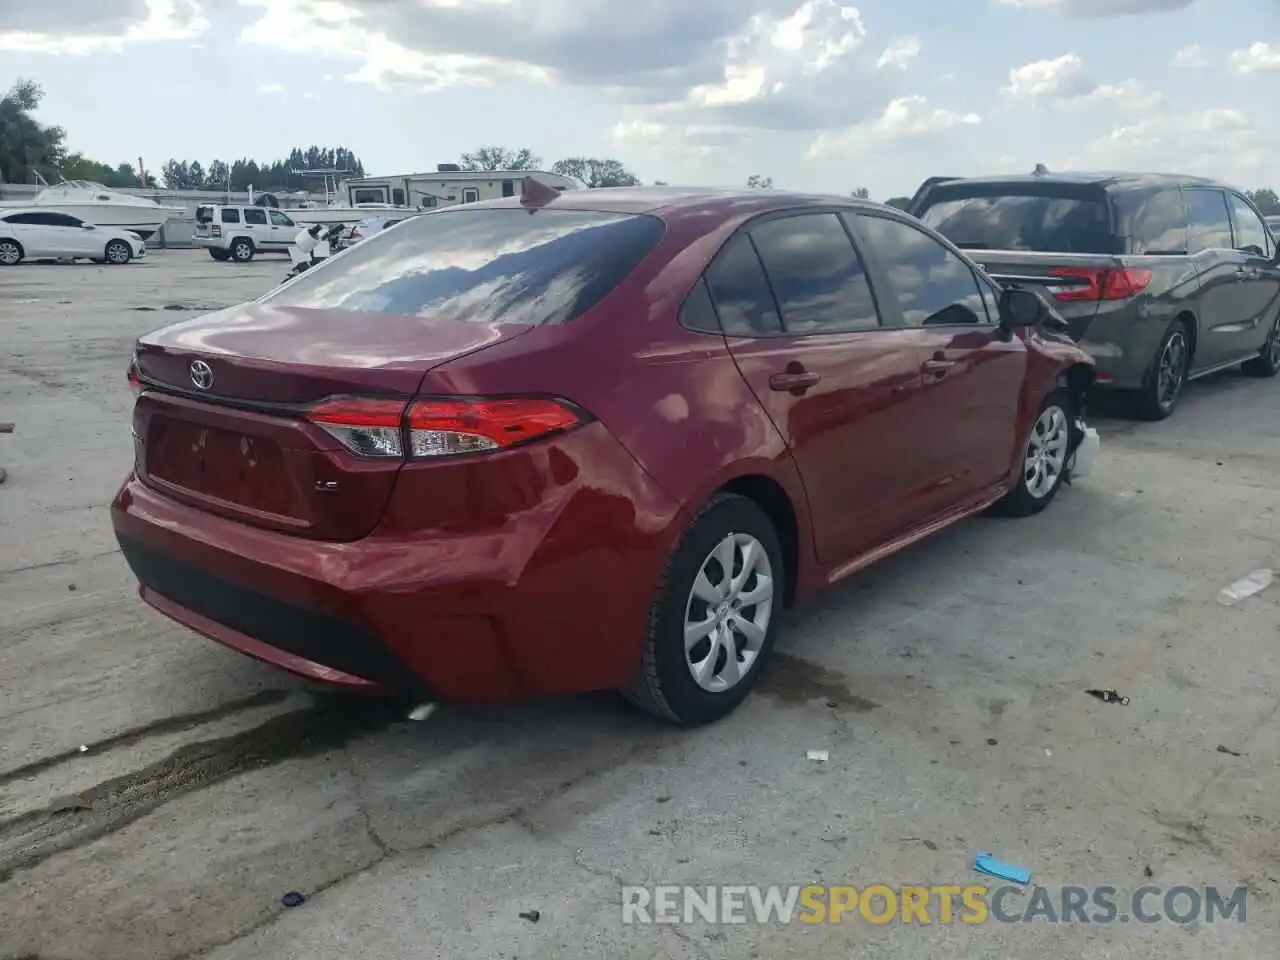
(534, 193)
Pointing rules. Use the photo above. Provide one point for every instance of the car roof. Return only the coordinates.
(677, 203)
(1117, 179)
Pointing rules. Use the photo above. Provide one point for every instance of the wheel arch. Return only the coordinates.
(771, 497)
(22, 251)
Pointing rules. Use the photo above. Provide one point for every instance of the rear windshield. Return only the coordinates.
(1041, 220)
(498, 266)
(204, 214)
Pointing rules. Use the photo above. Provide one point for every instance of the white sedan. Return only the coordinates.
(46, 235)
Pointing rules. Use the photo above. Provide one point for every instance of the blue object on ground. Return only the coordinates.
(985, 863)
(293, 899)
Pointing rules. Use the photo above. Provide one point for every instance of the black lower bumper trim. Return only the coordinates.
(315, 636)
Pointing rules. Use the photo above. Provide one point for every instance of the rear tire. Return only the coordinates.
(118, 253)
(242, 250)
(1160, 394)
(1044, 460)
(10, 253)
(727, 613)
(220, 255)
(1267, 362)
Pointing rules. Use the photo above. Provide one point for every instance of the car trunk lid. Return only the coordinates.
(222, 419)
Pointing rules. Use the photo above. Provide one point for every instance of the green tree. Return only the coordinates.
(756, 181)
(861, 193)
(279, 175)
(596, 172)
(500, 158)
(1266, 201)
(27, 147)
(899, 202)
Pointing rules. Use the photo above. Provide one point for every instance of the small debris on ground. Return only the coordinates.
(293, 899)
(1148, 872)
(69, 805)
(1109, 696)
(1255, 582)
(992, 741)
(820, 755)
(985, 863)
(533, 916)
(71, 587)
(1229, 752)
(83, 748)
(422, 712)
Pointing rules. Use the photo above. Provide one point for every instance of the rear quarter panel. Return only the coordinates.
(673, 398)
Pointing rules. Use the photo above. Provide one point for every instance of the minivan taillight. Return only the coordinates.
(1102, 283)
(134, 376)
(443, 427)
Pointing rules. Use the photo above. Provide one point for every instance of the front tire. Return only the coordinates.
(118, 253)
(1043, 462)
(714, 616)
(10, 253)
(1159, 396)
(1267, 362)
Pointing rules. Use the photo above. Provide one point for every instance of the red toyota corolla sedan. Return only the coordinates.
(584, 441)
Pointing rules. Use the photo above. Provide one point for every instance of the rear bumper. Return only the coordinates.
(554, 600)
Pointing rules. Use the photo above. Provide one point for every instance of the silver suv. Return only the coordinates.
(240, 233)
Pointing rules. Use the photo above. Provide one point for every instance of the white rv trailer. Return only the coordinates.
(446, 187)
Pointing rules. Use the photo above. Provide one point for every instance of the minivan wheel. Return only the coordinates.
(714, 615)
(1267, 362)
(1159, 396)
(242, 250)
(10, 253)
(1043, 462)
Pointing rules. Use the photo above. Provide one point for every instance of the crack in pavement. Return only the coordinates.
(516, 816)
(332, 720)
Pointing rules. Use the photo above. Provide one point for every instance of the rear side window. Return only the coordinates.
(698, 312)
(230, 215)
(1047, 219)
(1208, 226)
(495, 266)
(815, 273)
(741, 292)
(1158, 223)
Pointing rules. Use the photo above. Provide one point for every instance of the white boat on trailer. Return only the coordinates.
(94, 203)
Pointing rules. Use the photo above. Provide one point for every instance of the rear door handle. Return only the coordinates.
(793, 381)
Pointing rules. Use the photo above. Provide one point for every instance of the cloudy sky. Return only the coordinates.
(816, 94)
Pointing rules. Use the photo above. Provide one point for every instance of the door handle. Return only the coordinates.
(793, 380)
(937, 368)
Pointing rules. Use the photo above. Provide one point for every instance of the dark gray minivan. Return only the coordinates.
(1162, 278)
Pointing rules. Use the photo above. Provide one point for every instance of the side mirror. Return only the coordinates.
(1021, 308)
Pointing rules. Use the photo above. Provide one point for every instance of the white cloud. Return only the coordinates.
(1257, 58)
(1191, 56)
(905, 118)
(152, 21)
(271, 88)
(1130, 96)
(901, 53)
(1062, 78)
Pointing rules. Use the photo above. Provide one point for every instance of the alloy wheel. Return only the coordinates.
(1046, 452)
(1172, 370)
(728, 612)
(9, 254)
(118, 253)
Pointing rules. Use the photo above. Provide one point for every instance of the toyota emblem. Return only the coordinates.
(201, 374)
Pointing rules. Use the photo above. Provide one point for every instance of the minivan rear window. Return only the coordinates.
(495, 265)
(1043, 220)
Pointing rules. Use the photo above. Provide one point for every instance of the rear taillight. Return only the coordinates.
(215, 231)
(134, 376)
(1101, 283)
(425, 429)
